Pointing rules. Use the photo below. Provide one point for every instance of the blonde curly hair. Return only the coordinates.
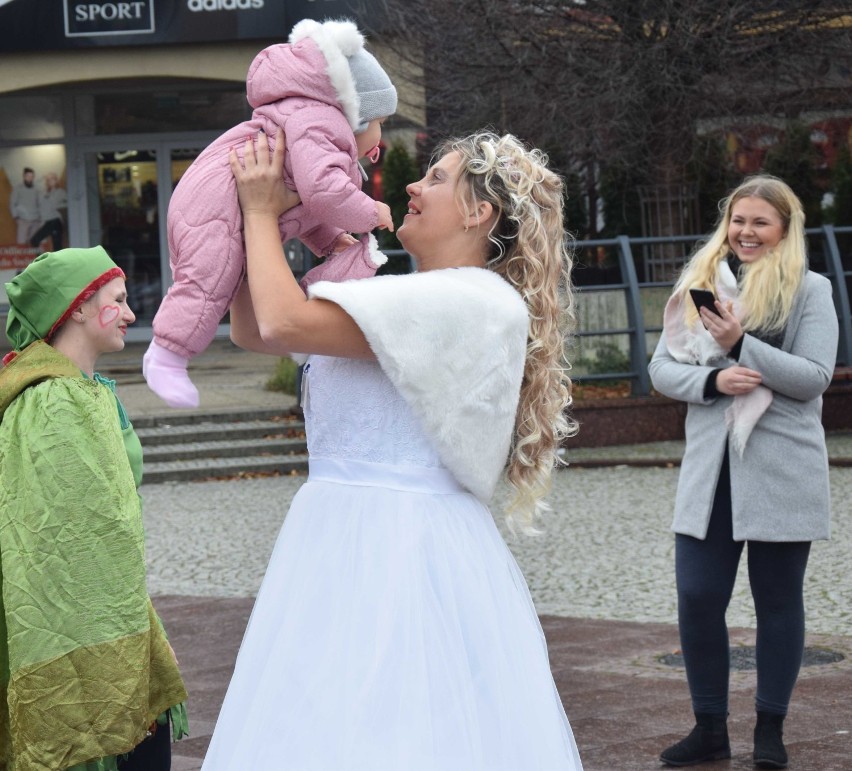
(769, 286)
(532, 251)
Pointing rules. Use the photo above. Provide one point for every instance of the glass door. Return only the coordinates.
(126, 190)
(123, 216)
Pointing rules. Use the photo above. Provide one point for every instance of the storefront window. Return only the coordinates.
(30, 118)
(33, 206)
(124, 207)
(181, 160)
(169, 111)
(123, 218)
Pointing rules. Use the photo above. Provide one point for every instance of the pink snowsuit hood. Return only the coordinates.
(290, 71)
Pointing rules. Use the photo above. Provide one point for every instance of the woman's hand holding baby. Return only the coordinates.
(261, 188)
(260, 180)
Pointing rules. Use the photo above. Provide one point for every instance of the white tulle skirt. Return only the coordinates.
(393, 631)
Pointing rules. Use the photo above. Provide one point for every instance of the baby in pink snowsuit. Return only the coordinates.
(330, 96)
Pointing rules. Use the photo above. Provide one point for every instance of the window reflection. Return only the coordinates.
(166, 110)
(125, 219)
(30, 118)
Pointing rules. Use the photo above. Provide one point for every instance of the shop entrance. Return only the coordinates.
(126, 196)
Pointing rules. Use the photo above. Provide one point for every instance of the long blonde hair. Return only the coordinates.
(769, 285)
(531, 250)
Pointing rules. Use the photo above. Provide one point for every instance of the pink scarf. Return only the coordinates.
(695, 345)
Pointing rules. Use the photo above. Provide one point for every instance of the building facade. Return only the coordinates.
(103, 105)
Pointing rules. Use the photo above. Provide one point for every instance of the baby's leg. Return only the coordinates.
(165, 372)
(361, 260)
(207, 262)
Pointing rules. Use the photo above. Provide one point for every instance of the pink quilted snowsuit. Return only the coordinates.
(287, 86)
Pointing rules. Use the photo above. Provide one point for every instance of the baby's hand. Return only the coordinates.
(343, 242)
(384, 213)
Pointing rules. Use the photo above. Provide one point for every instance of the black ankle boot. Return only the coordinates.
(769, 749)
(707, 741)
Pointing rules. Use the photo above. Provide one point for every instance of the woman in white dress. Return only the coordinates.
(393, 629)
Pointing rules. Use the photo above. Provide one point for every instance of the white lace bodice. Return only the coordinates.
(353, 412)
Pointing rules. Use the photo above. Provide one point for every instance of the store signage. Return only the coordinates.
(122, 18)
(44, 25)
(223, 5)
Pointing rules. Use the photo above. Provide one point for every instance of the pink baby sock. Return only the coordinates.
(167, 377)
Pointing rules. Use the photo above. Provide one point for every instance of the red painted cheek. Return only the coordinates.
(108, 315)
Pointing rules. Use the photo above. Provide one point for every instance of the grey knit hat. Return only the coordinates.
(376, 93)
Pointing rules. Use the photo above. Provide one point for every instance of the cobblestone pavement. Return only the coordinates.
(599, 574)
(606, 553)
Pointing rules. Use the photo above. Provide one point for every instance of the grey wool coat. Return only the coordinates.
(779, 487)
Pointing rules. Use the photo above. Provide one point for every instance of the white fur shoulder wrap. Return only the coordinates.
(453, 342)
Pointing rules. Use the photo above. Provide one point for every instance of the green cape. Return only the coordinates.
(85, 666)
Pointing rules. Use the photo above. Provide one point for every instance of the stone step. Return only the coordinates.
(228, 443)
(220, 430)
(225, 415)
(226, 448)
(213, 468)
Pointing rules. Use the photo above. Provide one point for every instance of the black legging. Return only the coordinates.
(705, 572)
(152, 754)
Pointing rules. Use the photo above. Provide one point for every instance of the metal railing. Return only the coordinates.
(826, 257)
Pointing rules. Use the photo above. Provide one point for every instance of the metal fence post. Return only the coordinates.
(635, 320)
(835, 265)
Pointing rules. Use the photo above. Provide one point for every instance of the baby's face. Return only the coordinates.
(369, 137)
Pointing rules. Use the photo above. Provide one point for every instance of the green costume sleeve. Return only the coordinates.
(84, 666)
(131, 440)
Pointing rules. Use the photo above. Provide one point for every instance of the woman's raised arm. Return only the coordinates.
(285, 320)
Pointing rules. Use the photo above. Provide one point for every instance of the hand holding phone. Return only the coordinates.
(704, 298)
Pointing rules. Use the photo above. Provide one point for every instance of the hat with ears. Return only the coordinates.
(44, 295)
(376, 93)
(364, 88)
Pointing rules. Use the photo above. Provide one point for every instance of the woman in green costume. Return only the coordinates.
(87, 677)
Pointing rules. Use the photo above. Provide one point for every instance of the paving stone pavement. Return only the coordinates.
(602, 579)
(601, 575)
(606, 551)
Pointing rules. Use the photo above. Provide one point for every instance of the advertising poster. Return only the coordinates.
(33, 206)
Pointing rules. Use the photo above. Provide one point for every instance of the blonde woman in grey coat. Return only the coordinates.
(752, 365)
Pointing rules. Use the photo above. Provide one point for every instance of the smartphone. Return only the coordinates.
(704, 298)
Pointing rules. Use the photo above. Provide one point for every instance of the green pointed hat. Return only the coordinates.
(51, 288)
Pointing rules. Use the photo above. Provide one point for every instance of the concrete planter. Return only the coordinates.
(632, 420)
